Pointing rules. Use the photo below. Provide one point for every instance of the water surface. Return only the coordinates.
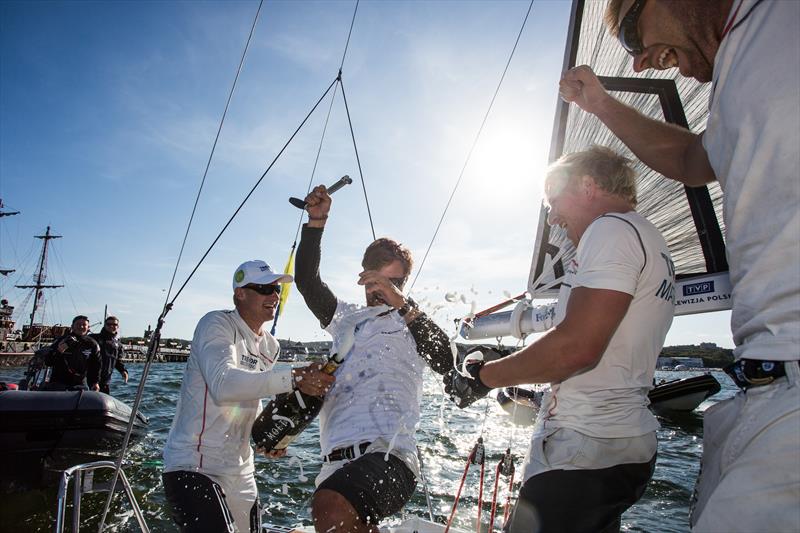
(446, 436)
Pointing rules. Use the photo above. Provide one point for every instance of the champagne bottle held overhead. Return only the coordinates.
(285, 417)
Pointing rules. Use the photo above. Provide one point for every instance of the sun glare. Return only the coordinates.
(507, 166)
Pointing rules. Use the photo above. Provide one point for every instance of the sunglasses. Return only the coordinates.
(112, 323)
(629, 36)
(265, 290)
(398, 282)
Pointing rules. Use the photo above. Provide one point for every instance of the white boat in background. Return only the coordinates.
(666, 398)
(522, 405)
(682, 395)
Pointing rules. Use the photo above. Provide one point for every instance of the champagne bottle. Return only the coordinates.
(285, 417)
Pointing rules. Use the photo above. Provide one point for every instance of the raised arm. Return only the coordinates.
(670, 150)
(319, 298)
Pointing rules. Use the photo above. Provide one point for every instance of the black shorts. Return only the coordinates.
(198, 504)
(576, 501)
(374, 486)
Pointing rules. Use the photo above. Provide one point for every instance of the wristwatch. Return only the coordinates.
(408, 306)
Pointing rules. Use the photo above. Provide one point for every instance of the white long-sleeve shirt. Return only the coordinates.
(230, 369)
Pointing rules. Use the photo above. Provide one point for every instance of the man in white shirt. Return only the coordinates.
(369, 418)
(208, 461)
(748, 49)
(593, 448)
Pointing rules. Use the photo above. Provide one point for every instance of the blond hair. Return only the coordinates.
(611, 172)
(611, 17)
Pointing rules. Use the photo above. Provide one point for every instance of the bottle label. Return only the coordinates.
(279, 427)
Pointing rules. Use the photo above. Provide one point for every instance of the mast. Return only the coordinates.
(6, 271)
(41, 275)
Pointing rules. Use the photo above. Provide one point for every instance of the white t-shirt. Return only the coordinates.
(753, 144)
(622, 252)
(228, 372)
(378, 387)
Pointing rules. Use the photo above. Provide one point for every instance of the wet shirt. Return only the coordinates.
(378, 386)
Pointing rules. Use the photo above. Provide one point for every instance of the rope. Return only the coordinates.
(314, 169)
(213, 148)
(472, 148)
(358, 159)
(228, 223)
(327, 118)
(349, 33)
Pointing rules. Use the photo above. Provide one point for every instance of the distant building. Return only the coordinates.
(708, 345)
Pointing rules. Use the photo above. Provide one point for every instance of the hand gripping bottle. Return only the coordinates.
(285, 417)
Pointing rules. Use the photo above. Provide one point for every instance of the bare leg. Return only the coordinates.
(332, 513)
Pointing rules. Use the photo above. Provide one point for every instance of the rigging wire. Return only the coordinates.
(471, 149)
(169, 304)
(358, 160)
(213, 148)
(349, 33)
(327, 119)
(140, 390)
(252, 190)
(314, 168)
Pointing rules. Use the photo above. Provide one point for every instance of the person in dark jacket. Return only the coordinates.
(111, 352)
(75, 359)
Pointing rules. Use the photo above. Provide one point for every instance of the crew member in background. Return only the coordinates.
(111, 353)
(748, 49)
(593, 448)
(368, 420)
(208, 461)
(75, 358)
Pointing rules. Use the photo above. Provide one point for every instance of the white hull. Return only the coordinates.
(688, 402)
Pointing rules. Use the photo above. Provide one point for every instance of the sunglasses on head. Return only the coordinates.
(266, 290)
(629, 36)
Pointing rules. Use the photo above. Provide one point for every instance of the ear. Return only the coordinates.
(588, 186)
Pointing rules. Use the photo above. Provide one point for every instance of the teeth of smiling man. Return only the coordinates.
(668, 58)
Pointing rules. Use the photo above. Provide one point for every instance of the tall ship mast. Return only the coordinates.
(6, 271)
(40, 276)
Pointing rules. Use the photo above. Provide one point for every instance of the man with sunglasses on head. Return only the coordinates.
(111, 352)
(748, 49)
(208, 461)
(369, 417)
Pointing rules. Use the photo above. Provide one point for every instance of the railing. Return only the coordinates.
(83, 476)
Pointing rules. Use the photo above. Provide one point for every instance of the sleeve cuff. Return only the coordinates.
(279, 380)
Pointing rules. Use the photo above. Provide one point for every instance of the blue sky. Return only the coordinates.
(108, 112)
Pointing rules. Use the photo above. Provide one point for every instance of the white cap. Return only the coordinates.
(259, 273)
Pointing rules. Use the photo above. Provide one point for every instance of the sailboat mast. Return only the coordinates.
(41, 274)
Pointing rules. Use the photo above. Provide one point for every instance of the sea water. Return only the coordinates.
(446, 436)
